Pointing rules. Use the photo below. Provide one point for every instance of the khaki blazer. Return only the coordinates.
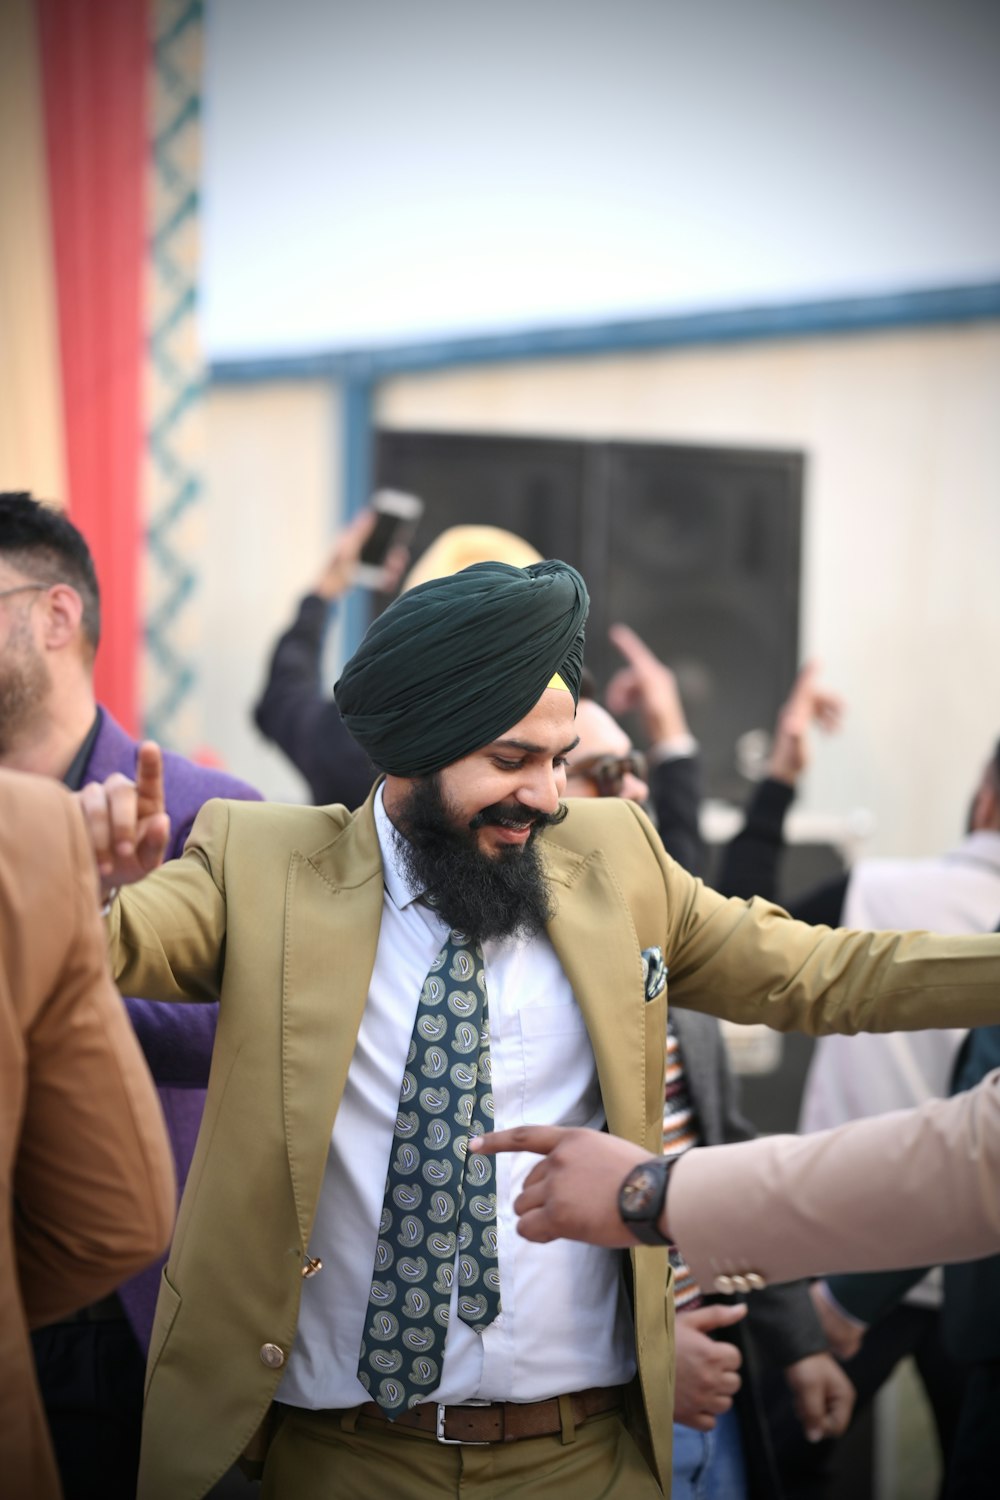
(276, 910)
(910, 1188)
(87, 1175)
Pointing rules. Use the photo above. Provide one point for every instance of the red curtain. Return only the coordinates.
(94, 58)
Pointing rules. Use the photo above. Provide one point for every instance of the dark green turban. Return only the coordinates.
(457, 661)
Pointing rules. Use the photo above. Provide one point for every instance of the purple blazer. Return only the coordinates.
(177, 1039)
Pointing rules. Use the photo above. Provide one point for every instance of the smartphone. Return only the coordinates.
(396, 518)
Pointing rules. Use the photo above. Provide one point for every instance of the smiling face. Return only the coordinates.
(498, 792)
(467, 831)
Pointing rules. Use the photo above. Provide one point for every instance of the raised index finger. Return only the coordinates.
(149, 779)
(632, 646)
(538, 1138)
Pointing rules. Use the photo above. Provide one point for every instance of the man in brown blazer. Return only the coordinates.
(315, 928)
(86, 1163)
(854, 1198)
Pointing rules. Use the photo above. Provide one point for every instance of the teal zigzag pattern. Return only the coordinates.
(176, 485)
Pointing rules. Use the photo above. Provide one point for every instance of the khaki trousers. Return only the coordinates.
(315, 1456)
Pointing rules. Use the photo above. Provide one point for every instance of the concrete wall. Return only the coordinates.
(271, 471)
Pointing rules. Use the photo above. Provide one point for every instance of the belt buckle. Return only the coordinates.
(455, 1442)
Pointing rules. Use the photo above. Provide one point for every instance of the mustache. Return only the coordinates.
(508, 815)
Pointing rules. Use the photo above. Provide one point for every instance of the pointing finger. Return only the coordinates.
(149, 779)
(538, 1138)
(632, 646)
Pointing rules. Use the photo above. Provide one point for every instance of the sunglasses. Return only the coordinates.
(608, 772)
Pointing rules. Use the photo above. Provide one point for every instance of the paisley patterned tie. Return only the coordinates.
(439, 1201)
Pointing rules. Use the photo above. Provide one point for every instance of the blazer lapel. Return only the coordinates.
(596, 942)
(333, 911)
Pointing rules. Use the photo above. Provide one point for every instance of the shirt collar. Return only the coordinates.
(78, 765)
(401, 893)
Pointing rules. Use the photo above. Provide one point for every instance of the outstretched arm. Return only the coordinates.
(646, 686)
(780, 1207)
(294, 710)
(751, 862)
(127, 821)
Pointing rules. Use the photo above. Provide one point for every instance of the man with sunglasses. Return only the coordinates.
(720, 1448)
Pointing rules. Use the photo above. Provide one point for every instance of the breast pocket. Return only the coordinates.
(560, 1074)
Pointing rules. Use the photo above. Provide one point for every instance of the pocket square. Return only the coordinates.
(654, 972)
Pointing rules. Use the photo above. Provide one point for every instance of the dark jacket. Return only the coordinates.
(751, 862)
(303, 720)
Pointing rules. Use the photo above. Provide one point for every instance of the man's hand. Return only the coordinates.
(706, 1369)
(572, 1193)
(808, 703)
(842, 1334)
(646, 686)
(342, 564)
(822, 1395)
(128, 825)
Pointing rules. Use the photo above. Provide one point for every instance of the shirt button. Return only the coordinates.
(755, 1281)
(724, 1285)
(272, 1356)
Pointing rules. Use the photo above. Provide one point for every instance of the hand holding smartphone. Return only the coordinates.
(397, 515)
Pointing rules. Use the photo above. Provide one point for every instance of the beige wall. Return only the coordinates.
(272, 466)
(902, 537)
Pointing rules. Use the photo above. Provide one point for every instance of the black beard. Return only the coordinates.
(485, 895)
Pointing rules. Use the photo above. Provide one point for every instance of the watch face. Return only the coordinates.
(638, 1190)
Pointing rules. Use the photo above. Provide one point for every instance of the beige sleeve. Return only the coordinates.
(94, 1185)
(911, 1188)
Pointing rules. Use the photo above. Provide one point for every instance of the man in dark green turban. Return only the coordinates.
(464, 692)
(457, 954)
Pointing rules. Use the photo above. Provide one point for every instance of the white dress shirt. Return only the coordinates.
(564, 1323)
(854, 1076)
(851, 1077)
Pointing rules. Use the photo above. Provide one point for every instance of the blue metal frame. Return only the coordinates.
(358, 371)
(956, 304)
(357, 399)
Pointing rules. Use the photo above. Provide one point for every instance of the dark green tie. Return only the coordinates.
(438, 1198)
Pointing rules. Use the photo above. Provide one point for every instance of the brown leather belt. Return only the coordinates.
(501, 1421)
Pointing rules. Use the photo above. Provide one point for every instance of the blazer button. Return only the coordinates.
(272, 1356)
(755, 1281)
(740, 1284)
(724, 1285)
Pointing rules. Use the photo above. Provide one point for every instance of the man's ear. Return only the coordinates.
(63, 615)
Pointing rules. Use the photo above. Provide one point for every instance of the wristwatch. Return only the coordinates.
(641, 1198)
